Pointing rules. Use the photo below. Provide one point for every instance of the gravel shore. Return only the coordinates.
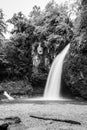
(36, 115)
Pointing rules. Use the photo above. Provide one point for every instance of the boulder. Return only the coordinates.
(6, 123)
(4, 126)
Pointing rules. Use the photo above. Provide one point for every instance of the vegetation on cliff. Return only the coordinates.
(75, 66)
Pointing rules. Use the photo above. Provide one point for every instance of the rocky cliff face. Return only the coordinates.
(75, 64)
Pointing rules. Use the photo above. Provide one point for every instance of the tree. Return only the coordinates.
(3, 61)
(35, 12)
(19, 46)
(74, 8)
(2, 25)
(19, 21)
(75, 70)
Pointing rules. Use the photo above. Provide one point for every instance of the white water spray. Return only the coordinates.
(8, 96)
(53, 85)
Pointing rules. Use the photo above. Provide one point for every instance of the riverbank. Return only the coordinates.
(43, 115)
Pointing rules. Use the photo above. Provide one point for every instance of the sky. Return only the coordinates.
(10, 7)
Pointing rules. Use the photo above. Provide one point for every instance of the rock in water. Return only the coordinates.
(75, 65)
(10, 122)
(4, 126)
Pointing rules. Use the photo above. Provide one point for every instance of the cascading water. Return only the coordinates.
(8, 96)
(53, 85)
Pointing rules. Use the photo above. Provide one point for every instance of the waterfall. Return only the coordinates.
(53, 85)
(8, 96)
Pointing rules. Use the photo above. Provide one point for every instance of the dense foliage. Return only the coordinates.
(18, 53)
(53, 31)
(75, 67)
(34, 43)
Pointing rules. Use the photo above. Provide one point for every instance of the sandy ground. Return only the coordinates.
(36, 115)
